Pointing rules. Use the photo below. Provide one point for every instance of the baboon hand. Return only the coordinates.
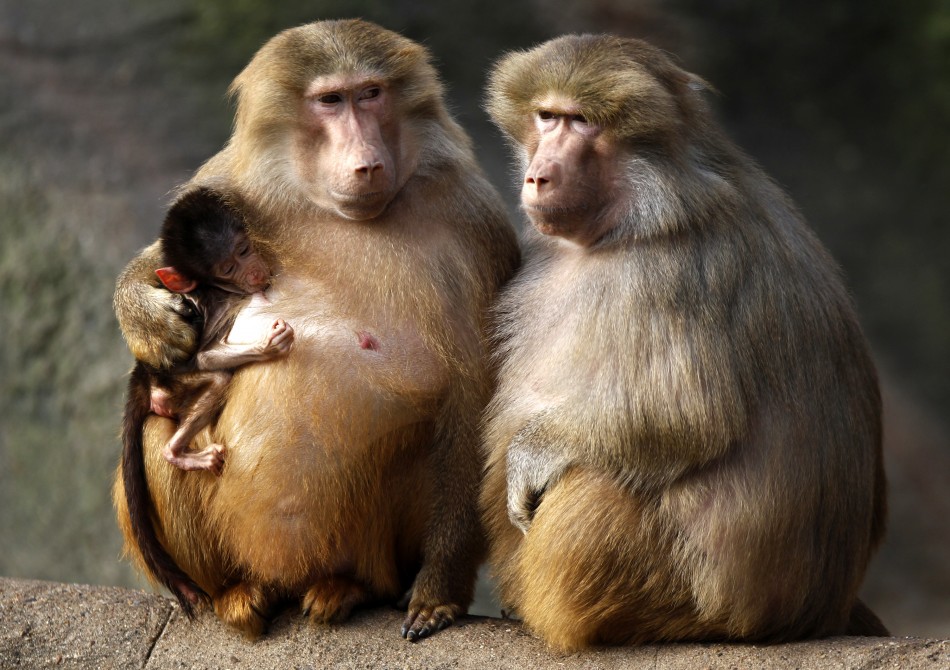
(180, 305)
(156, 310)
(278, 340)
(531, 470)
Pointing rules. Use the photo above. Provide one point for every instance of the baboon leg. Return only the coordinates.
(332, 598)
(244, 606)
(596, 567)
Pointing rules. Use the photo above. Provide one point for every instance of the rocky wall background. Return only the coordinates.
(106, 105)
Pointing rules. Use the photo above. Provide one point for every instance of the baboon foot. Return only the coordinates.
(211, 458)
(332, 598)
(244, 606)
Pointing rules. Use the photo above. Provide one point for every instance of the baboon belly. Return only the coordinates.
(312, 442)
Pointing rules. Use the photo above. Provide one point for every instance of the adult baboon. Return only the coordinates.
(353, 463)
(686, 439)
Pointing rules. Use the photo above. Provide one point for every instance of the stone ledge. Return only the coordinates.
(44, 624)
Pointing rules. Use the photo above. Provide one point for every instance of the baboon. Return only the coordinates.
(210, 261)
(353, 463)
(685, 443)
(213, 264)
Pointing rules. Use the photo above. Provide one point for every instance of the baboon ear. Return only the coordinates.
(175, 281)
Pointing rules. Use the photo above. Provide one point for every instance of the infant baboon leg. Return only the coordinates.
(160, 402)
(195, 418)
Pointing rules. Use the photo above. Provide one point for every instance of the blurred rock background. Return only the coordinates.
(106, 105)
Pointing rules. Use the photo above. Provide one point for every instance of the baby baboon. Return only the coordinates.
(211, 262)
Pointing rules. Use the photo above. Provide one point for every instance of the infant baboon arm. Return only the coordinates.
(224, 356)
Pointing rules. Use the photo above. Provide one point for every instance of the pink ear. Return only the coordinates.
(175, 281)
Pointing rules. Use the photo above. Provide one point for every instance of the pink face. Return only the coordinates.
(243, 269)
(349, 149)
(571, 176)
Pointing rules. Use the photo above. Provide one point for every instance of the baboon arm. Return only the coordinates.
(229, 356)
(534, 463)
(153, 319)
(454, 545)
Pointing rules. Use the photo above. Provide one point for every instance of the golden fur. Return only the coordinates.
(351, 474)
(694, 387)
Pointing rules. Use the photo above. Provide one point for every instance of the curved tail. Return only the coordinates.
(139, 500)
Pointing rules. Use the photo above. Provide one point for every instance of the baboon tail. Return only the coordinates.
(139, 501)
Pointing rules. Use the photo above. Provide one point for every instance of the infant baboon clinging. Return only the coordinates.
(211, 262)
(686, 439)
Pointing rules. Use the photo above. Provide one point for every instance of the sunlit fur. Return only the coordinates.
(351, 474)
(143, 312)
(696, 384)
(269, 93)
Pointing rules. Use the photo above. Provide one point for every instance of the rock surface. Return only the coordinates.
(46, 624)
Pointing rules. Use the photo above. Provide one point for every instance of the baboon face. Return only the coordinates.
(349, 151)
(241, 269)
(334, 114)
(571, 176)
(599, 122)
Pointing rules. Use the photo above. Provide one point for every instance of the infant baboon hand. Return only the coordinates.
(279, 339)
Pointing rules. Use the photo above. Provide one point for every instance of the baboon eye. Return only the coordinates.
(545, 115)
(244, 250)
(371, 93)
(581, 124)
(330, 98)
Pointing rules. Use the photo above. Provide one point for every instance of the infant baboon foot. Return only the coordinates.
(211, 458)
(332, 598)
